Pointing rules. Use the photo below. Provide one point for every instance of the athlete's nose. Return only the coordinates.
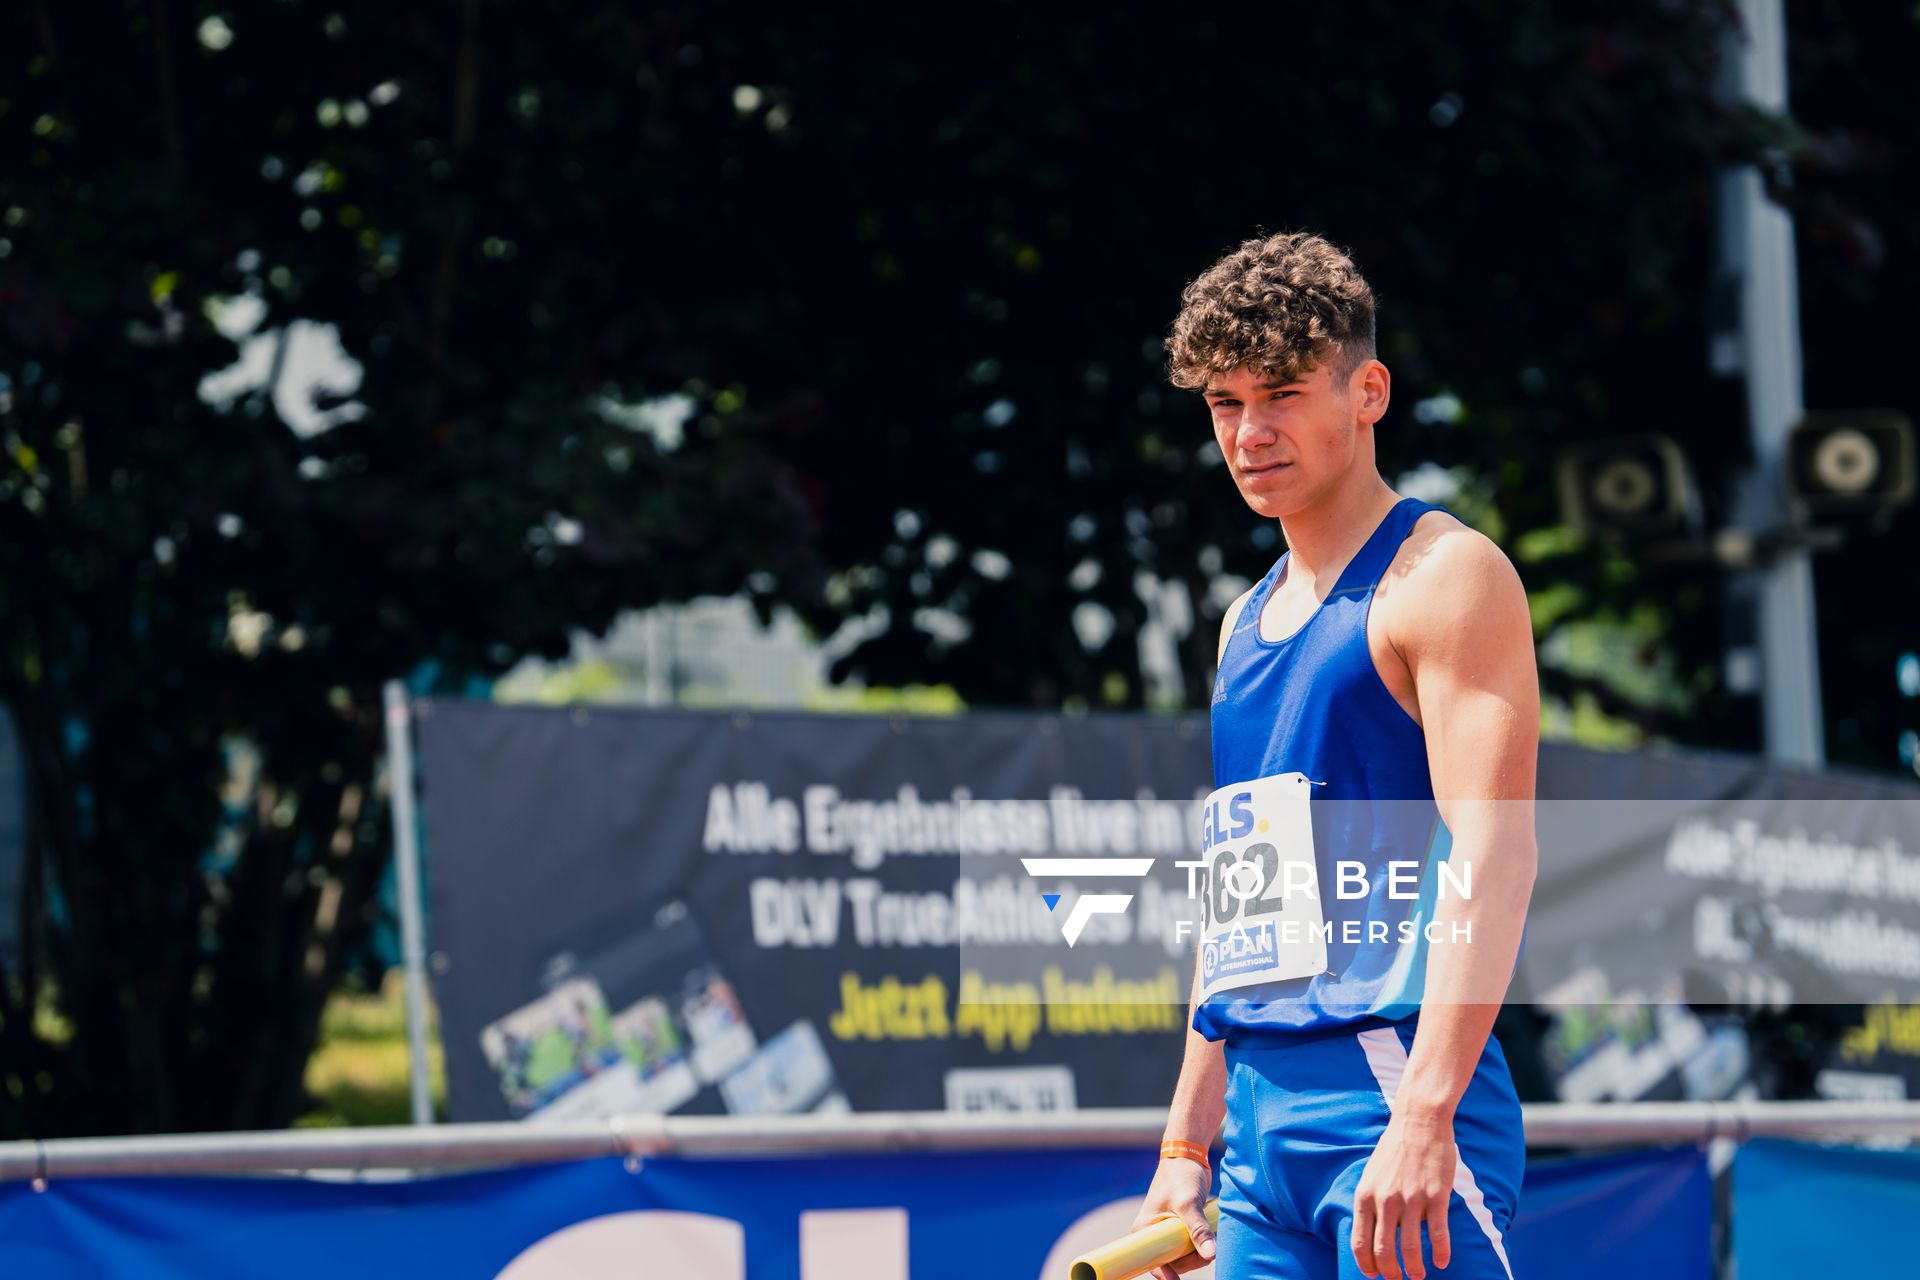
(1253, 432)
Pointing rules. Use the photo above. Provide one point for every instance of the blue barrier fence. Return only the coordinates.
(920, 1216)
(1802, 1211)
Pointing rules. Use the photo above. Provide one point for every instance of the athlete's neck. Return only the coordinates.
(1324, 536)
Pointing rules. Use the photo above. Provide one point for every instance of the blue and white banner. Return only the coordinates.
(1011, 1216)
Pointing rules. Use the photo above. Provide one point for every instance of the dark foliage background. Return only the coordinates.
(913, 284)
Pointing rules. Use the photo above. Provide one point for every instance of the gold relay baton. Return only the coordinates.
(1153, 1245)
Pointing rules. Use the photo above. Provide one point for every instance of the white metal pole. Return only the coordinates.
(1761, 249)
(460, 1146)
(406, 863)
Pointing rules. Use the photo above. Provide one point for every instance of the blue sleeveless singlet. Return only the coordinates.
(1313, 703)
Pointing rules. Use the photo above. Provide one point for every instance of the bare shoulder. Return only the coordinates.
(1450, 584)
(1228, 621)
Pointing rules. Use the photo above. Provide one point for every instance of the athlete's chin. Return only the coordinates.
(1269, 499)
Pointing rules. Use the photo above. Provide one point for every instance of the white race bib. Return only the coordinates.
(1261, 895)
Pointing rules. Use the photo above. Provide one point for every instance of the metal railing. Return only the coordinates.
(467, 1146)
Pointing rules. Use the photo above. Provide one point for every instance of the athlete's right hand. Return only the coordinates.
(1179, 1190)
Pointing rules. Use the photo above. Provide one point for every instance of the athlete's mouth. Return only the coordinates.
(1265, 469)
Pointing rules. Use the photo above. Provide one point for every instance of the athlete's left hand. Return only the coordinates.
(1409, 1180)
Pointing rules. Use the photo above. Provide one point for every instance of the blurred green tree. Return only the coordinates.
(1006, 229)
(202, 594)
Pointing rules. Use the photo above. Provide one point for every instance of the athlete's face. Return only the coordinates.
(1287, 443)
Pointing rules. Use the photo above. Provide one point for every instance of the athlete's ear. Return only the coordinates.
(1372, 388)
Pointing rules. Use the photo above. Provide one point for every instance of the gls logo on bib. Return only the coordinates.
(1260, 898)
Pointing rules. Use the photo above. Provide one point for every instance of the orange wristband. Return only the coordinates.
(1174, 1149)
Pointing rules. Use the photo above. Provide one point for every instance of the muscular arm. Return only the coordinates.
(1199, 1100)
(1472, 662)
(1199, 1106)
(1469, 647)
(1179, 1187)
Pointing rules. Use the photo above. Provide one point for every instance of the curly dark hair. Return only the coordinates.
(1278, 305)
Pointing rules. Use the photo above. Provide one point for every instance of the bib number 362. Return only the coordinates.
(1261, 897)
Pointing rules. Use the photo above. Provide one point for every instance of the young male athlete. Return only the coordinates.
(1383, 669)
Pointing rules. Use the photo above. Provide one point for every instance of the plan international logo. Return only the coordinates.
(1087, 905)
